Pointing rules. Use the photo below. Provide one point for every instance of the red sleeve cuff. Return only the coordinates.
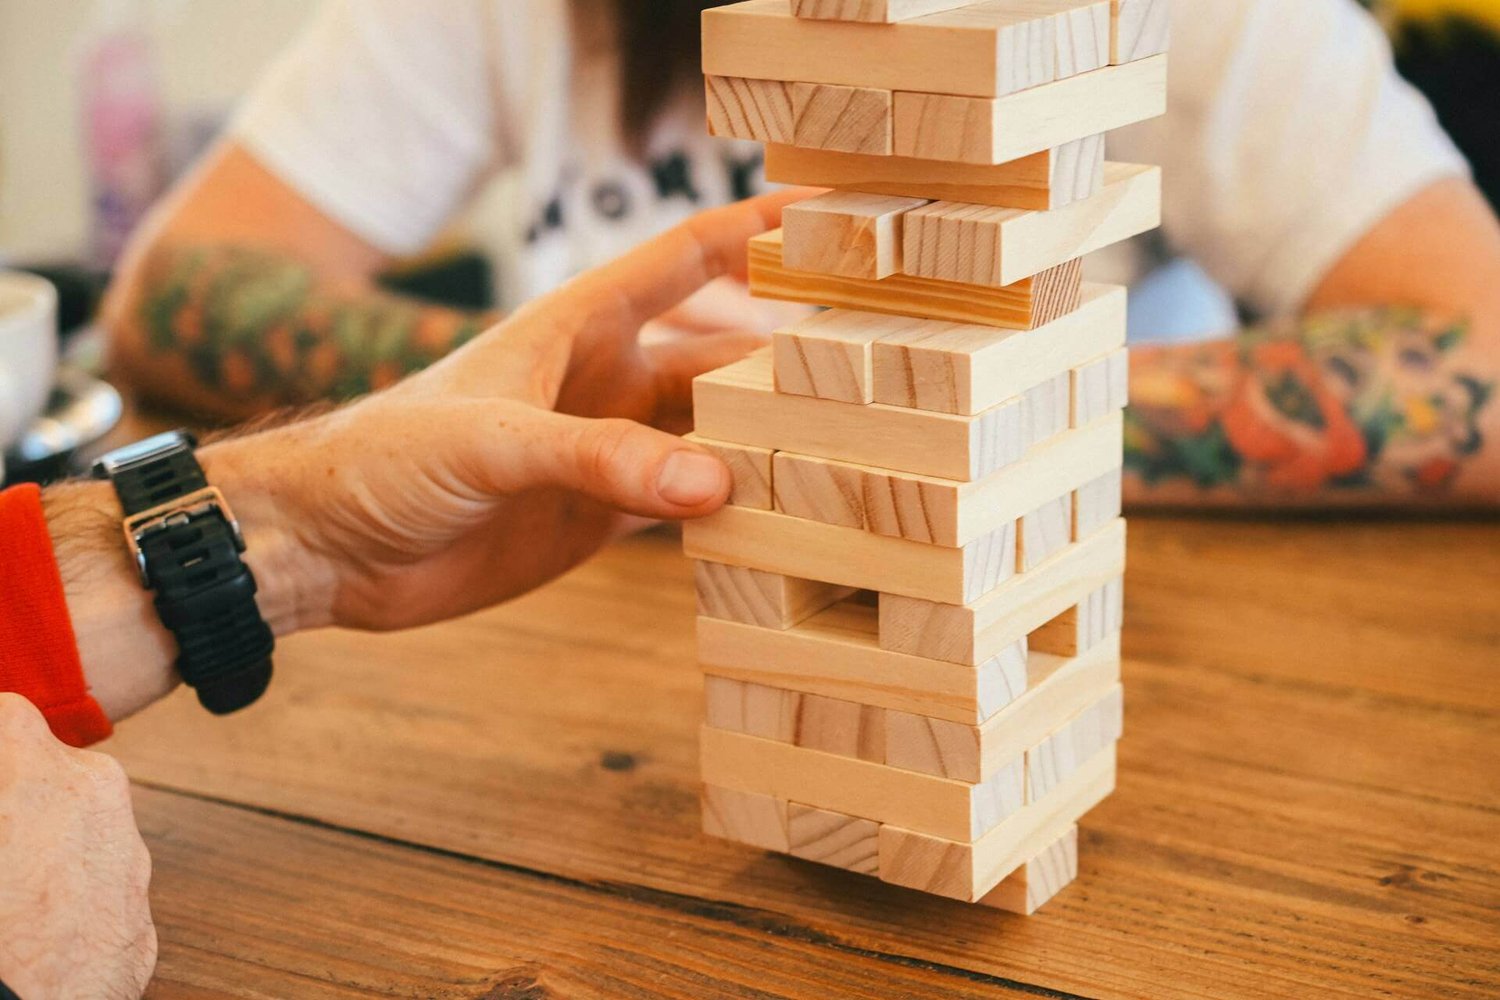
(38, 652)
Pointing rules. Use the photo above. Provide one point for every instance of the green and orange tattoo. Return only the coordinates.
(1374, 401)
(255, 325)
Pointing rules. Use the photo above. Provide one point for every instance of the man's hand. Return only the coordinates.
(75, 923)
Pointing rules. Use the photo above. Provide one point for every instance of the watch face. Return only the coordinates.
(150, 447)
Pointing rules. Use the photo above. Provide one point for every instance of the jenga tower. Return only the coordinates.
(909, 615)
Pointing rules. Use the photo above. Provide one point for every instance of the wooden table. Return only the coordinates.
(506, 806)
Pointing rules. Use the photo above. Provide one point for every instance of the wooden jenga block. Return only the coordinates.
(849, 557)
(1063, 688)
(833, 838)
(984, 50)
(941, 126)
(845, 119)
(963, 368)
(749, 470)
(836, 653)
(1025, 305)
(1101, 386)
(1053, 178)
(968, 870)
(827, 355)
(739, 404)
(1097, 616)
(821, 490)
(846, 728)
(1046, 408)
(758, 597)
(831, 725)
(742, 707)
(1140, 29)
(846, 233)
(1030, 886)
(750, 109)
(756, 820)
(873, 11)
(1044, 532)
(923, 803)
(1095, 504)
(984, 245)
(974, 632)
(1059, 756)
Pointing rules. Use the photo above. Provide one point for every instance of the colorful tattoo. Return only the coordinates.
(1372, 400)
(253, 325)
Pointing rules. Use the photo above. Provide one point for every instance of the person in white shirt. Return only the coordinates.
(1304, 177)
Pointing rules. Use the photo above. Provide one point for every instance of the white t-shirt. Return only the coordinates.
(1288, 135)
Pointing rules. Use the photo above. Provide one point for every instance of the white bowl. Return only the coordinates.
(28, 350)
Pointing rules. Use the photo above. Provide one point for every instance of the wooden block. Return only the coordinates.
(1097, 616)
(827, 355)
(1025, 305)
(846, 728)
(1059, 756)
(738, 403)
(767, 712)
(984, 245)
(1062, 688)
(1095, 504)
(750, 109)
(833, 838)
(849, 557)
(758, 597)
(846, 233)
(1045, 409)
(969, 870)
(756, 820)
(973, 633)
(820, 490)
(1044, 532)
(836, 653)
(1052, 178)
(940, 126)
(845, 119)
(831, 725)
(922, 803)
(1140, 28)
(1101, 386)
(749, 469)
(963, 368)
(873, 11)
(1030, 886)
(984, 50)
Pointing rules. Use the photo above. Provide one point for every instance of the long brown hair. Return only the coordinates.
(660, 51)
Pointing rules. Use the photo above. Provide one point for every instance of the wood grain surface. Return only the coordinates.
(507, 805)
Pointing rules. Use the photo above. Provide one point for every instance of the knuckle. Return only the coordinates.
(108, 773)
(19, 718)
(607, 449)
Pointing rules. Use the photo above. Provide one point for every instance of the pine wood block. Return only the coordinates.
(968, 870)
(821, 490)
(1053, 178)
(872, 11)
(1096, 503)
(836, 653)
(749, 470)
(768, 712)
(964, 368)
(756, 820)
(939, 807)
(1047, 408)
(974, 632)
(1044, 532)
(1025, 305)
(1059, 756)
(1060, 688)
(831, 725)
(750, 109)
(832, 838)
(984, 245)
(1101, 386)
(1140, 29)
(848, 557)
(846, 233)
(1097, 616)
(984, 49)
(940, 126)
(738, 403)
(1030, 886)
(828, 355)
(845, 119)
(759, 597)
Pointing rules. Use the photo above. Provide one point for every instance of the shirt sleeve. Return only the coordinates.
(1288, 136)
(38, 652)
(380, 114)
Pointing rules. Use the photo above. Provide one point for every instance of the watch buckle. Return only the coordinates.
(172, 513)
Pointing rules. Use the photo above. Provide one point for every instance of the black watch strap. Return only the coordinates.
(6, 993)
(187, 548)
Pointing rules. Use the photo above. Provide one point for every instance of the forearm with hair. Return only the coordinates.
(262, 329)
(1378, 407)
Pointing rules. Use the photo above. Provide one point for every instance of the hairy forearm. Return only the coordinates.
(1376, 407)
(233, 332)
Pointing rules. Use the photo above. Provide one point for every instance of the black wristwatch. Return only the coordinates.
(6, 993)
(186, 544)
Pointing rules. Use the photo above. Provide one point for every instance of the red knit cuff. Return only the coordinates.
(38, 651)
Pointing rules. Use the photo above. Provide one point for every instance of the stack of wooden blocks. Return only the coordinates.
(909, 615)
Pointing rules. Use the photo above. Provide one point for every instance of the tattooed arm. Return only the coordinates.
(1384, 394)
